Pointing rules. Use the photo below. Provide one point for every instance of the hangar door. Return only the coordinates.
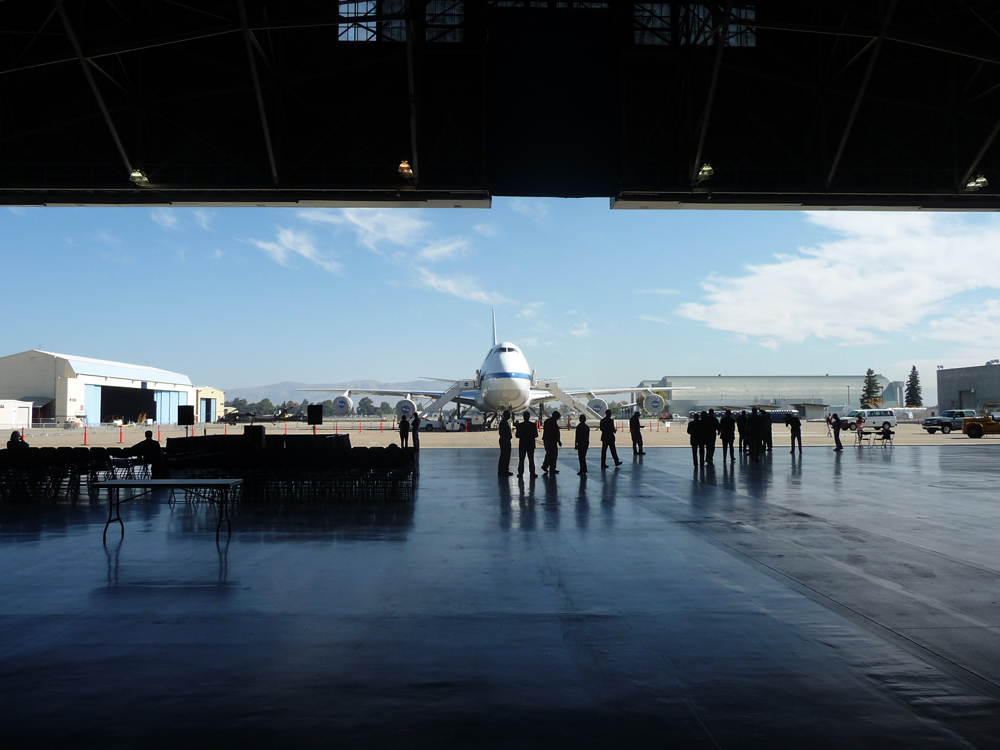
(166, 405)
(207, 412)
(105, 403)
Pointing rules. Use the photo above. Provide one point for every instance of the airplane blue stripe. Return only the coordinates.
(521, 375)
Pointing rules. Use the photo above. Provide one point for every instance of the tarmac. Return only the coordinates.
(823, 600)
(372, 433)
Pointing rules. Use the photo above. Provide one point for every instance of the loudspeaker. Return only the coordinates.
(315, 413)
(255, 435)
(185, 416)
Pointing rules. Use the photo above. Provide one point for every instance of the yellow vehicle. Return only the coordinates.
(976, 427)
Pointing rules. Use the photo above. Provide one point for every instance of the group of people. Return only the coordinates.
(406, 427)
(526, 432)
(754, 430)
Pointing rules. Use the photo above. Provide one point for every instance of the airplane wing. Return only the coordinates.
(632, 389)
(374, 392)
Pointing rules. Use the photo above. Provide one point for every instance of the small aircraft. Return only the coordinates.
(504, 381)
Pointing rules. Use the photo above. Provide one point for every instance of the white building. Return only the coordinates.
(64, 387)
(14, 414)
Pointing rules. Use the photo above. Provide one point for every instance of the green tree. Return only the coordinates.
(240, 404)
(914, 395)
(871, 390)
(328, 407)
(303, 407)
(366, 407)
(384, 408)
(264, 406)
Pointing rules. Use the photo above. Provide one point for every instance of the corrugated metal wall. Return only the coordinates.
(980, 384)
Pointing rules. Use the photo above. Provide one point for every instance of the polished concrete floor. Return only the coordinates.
(827, 601)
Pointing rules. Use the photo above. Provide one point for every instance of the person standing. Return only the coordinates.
(795, 424)
(551, 440)
(608, 431)
(503, 467)
(526, 434)
(741, 425)
(582, 443)
(755, 434)
(635, 428)
(829, 425)
(727, 430)
(837, 426)
(404, 431)
(710, 427)
(415, 431)
(694, 436)
(767, 424)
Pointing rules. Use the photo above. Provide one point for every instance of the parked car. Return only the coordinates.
(946, 421)
(874, 418)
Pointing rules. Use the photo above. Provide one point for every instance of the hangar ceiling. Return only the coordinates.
(855, 103)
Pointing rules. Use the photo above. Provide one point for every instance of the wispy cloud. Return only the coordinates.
(581, 330)
(203, 218)
(444, 249)
(653, 319)
(372, 226)
(217, 254)
(292, 243)
(108, 238)
(460, 285)
(531, 310)
(487, 230)
(533, 208)
(164, 217)
(887, 274)
(19, 210)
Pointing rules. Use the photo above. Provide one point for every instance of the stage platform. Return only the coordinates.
(828, 600)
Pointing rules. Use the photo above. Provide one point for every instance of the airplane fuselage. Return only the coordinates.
(505, 380)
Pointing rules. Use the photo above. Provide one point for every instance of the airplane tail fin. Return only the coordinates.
(495, 342)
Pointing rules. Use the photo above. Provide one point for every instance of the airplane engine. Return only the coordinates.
(405, 408)
(654, 404)
(599, 405)
(342, 405)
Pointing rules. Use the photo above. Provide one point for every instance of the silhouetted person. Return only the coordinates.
(526, 434)
(404, 431)
(755, 434)
(795, 424)
(741, 425)
(503, 467)
(837, 426)
(551, 440)
(767, 424)
(415, 431)
(710, 430)
(694, 436)
(582, 443)
(608, 431)
(727, 431)
(151, 453)
(635, 428)
(16, 442)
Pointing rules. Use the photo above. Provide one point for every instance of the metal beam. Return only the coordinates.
(861, 92)
(979, 155)
(411, 28)
(85, 65)
(257, 90)
(721, 42)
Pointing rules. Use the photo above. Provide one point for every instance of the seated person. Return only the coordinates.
(16, 442)
(151, 453)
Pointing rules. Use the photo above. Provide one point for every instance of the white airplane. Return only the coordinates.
(504, 381)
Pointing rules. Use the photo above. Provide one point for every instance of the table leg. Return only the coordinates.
(114, 506)
(223, 512)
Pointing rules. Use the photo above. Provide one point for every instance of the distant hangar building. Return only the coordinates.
(65, 387)
(969, 387)
(783, 391)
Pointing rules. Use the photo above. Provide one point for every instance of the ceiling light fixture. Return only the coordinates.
(974, 185)
(405, 170)
(705, 172)
(139, 178)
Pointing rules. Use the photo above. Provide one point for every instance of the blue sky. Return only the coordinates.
(239, 297)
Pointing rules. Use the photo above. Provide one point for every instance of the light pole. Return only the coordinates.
(848, 398)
